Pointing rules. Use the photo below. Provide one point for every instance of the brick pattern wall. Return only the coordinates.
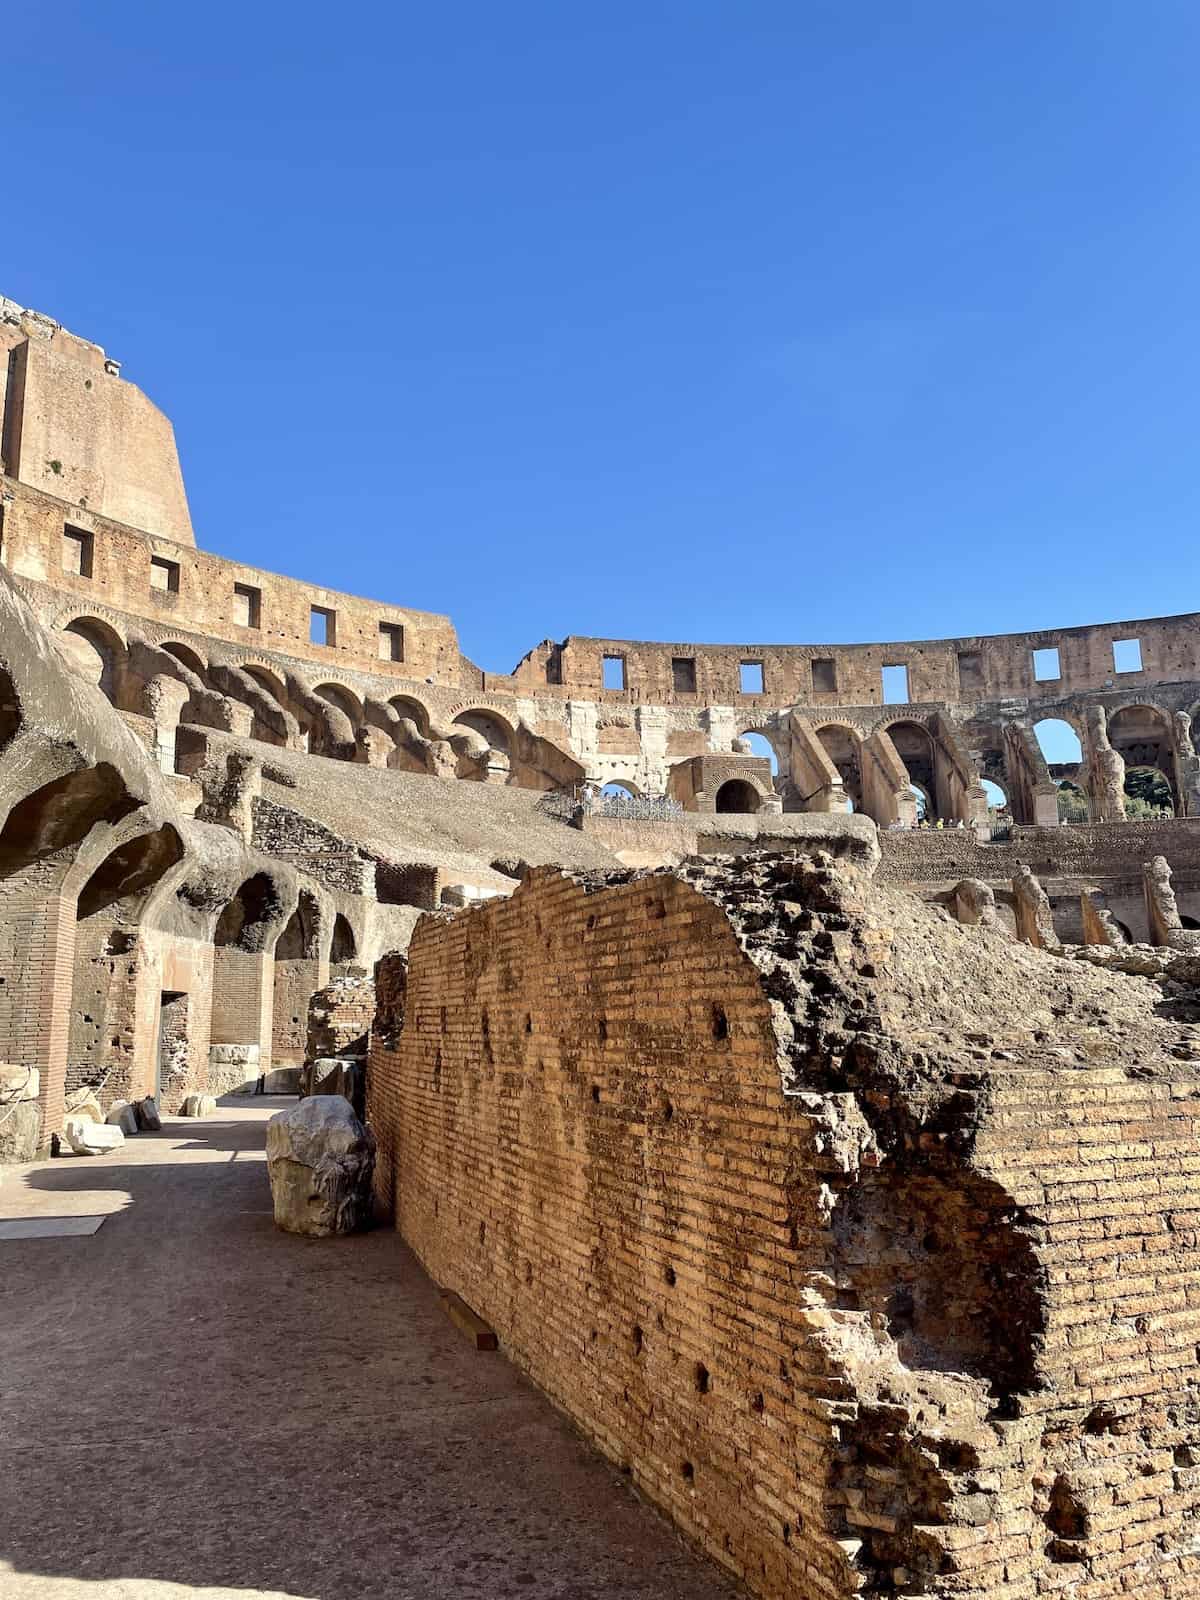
(968, 1370)
(584, 1112)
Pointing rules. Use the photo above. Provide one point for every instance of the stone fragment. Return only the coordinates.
(83, 1103)
(320, 1158)
(122, 1115)
(20, 1131)
(88, 1138)
(198, 1105)
(19, 1083)
(148, 1117)
(282, 1080)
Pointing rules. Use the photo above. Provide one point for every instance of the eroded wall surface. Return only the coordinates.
(865, 1243)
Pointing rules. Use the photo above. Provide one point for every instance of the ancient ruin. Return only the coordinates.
(818, 1128)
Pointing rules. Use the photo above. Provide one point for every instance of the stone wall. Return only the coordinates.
(871, 1294)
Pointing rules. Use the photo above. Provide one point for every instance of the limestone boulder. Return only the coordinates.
(148, 1117)
(20, 1131)
(320, 1158)
(122, 1115)
(88, 1138)
(198, 1105)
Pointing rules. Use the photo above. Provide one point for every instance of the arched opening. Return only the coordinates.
(914, 745)
(762, 747)
(1072, 802)
(997, 800)
(129, 870)
(1141, 735)
(404, 706)
(186, 656)
(95, 652)
(924, 809)
(297, 978)
(492, 728)
(1058, 742)
(267, 681)
(1148, 795)
(241, 998)
(620, 789)
(244, 922)
(344, 948)
(61, 814)
(335, 695)
(736, 796)
(843, 749)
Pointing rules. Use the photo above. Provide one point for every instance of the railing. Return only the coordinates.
(568, 804)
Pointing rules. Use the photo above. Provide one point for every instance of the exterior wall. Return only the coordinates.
(73, 427)
(940, 671)
(204, 602)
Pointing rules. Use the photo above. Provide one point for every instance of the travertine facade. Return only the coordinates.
(859, 1224)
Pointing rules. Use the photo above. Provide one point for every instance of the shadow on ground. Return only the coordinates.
(189, 1397)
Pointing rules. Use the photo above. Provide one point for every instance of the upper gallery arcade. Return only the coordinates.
(95, 529)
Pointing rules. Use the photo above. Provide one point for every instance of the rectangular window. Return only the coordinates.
(750, 677)
(824, 676)
(247, 605)
(391, 641)
(614, 672)
(322, 626)
(970, 669)
(77, 551)
(895, 685)
(164, 575)
(683, 674)
(1127, 655)
(1045, 666)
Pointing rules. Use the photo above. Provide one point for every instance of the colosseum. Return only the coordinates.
(795, 1068)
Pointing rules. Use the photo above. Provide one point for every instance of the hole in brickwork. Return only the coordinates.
(703, 1380)
(668, 1111)
(591, 922)
(638, 1340)
(657, 911)
(787, 1533)
(720, 1023)
(758, 1404)
(602, 1029)
(482, 1232)
(596, 1093)
(669, 1277)
(528, 1023)
(945, 1261)
(528, 1272)
(689, 1472)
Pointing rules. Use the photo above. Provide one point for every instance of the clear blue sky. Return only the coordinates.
(693, 321)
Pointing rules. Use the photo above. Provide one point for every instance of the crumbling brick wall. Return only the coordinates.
(870, 1293)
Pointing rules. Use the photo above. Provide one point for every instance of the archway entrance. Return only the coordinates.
(737, 796)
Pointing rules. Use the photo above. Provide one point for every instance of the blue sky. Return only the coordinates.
(751, 322)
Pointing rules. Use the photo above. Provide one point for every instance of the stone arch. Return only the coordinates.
(771, 754)
(405, 705)
(344, 699)
(129, 869)
(913, 742)
(842, 743)
(490, 725)
(96, 653)
(185, 654)
(246, 919)
(343, 949)
(297, 977)
(61, 813)
(267, 680)
(737, 796)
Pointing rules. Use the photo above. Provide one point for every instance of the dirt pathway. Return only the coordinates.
(193, 1404)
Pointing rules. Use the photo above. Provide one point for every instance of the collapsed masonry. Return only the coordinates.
(865, 1242)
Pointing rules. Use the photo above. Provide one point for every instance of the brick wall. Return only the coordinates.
(964, 1366)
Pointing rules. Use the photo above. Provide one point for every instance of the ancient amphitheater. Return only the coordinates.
(838, 1176)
